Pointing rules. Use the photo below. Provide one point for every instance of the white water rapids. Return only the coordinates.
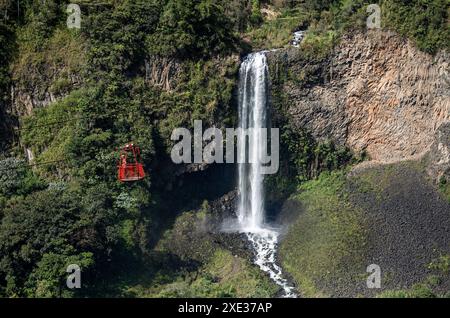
(253, 104)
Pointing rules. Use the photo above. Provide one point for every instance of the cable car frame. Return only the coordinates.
(130, 167)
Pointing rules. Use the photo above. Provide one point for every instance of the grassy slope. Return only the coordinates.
(327, 235)
(204, 268)
(276, 32)
(224, 275)
(388, 215)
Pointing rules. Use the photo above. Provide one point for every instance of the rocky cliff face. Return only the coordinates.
(438, 158)
(41, 76)
(375, 92)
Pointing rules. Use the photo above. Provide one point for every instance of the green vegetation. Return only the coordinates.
(8, 45)
(424, 21)
(188, 228)
(444, 187)
(222, 276)
(42, 231)
(134, 71)
(16, 179)
(417, 291)
(303, 159)
(327, 236)
(203, 268)
(105, 100)
(194, 28)
(327, 245)
(219, 273)
(53, 67)
(50, 131)
(442, 264)
(275, 32)
(425, 289)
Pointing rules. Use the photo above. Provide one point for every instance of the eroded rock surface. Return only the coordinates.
(376, 93)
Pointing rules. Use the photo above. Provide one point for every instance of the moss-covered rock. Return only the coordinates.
(324, 248)
(389, 215)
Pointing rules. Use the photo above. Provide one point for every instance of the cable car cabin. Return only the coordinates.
(130, 165)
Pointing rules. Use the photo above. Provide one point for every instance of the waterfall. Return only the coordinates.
(253, 104)
(252, 114)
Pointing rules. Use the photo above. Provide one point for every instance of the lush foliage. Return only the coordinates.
(7, 44)
(276, 32)
(425, 21)
(194, 28)
(91, 219)
(82, 94)
(222, 277)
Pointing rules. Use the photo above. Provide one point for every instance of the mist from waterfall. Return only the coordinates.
(253, 106)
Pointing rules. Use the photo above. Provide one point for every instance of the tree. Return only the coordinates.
(192, 28)
(39, 236)
(48, 279)
(256, 16)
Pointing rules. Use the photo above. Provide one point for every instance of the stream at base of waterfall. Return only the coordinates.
(265, 243)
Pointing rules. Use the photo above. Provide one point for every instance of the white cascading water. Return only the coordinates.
(253, 89)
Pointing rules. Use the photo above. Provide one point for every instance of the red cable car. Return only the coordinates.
(130, 166)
